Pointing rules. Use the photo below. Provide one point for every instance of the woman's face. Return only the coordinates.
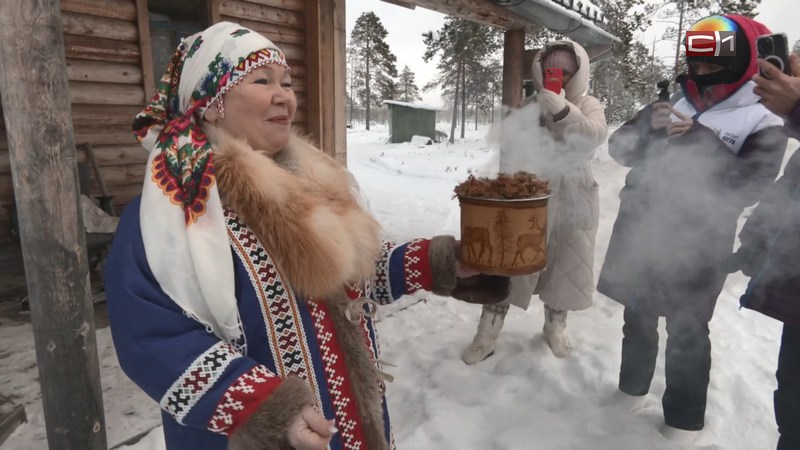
(259, 109)
(704, 68)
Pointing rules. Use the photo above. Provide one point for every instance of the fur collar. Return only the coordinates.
(301, 205)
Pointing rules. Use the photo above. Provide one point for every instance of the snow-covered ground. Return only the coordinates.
(521, 398)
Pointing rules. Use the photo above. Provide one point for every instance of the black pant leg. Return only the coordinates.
(639, 351)
(688, 367)
(787, 396)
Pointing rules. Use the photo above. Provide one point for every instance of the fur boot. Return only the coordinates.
(555, 322)
(489, 327)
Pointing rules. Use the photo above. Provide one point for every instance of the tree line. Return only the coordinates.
(469, 67)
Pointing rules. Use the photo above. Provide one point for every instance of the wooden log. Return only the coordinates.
(34, 91)
(106, 137)
(301, 115)
(106, 93)
(93, 26)
(103, 116)
(118, 155)
(480, 11)
(115, 176)
(112, 9)
(293, 51)
(244, 10)
(6, 188)
(112, 136)
(122, 195)
(339, 111)
(213, 12)
(98, 49)
(146, 49)
(314, 79)
(98, 176)
(103, 72)
(276, 33)
(5, 162)
(297, 70)
(512, 67)
(326, 96)
(292, 5)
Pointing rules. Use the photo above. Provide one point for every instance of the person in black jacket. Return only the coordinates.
(695, 166)
(770, 253)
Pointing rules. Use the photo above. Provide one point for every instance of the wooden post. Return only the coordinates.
(145, 49)
(513, 51)
(33, 87)
(327, 70)
(213, 12)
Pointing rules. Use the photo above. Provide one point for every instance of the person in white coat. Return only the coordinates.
(576, 122)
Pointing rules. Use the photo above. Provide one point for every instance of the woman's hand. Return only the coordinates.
(780, 92)
(310, 430)
(679, 127)
(660, 117)
(550, 102)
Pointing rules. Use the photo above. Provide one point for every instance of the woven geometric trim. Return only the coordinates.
(382, 284)
(242, 398)
(197, 380)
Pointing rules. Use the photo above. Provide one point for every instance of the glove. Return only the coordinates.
(482, 289)
(551, 102)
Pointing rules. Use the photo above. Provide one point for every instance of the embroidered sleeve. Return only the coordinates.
(421, 264)
(198, 379)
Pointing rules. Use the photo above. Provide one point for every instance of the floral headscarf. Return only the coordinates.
(182, 219)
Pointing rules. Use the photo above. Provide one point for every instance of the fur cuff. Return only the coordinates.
(482, 289)
(442, 256)
(267, 428)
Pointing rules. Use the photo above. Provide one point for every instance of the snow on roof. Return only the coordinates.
(582, 12)
(410, 105)
(585, 8)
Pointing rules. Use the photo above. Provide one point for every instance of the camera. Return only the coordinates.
(766, 46)
(774, 48)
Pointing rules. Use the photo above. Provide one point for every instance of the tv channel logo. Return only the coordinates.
(710, 43)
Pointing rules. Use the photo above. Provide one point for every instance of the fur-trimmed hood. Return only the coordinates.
(302, 205)
(579, 82)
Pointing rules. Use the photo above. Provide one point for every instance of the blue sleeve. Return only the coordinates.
(172, 357)
(402, 269)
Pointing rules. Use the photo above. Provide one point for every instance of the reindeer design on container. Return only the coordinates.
(479, 236)
(531, 241)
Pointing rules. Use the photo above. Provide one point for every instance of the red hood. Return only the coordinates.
(720, 92)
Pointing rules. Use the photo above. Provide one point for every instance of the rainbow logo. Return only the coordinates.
(712, 36)
(715, 23)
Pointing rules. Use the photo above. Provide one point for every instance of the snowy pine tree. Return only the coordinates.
(407, 86)
(628, 79)
(464, 48)
(745, 8)
(377, 64)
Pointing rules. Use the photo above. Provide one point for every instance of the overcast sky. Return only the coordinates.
(405, 29)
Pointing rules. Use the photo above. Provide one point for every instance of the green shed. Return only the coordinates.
(408, 120)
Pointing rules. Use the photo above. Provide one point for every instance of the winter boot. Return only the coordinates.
(489, 327)
(555, 322)
(679, 435)
(630, 403)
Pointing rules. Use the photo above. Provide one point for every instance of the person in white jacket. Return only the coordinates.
(576, 122)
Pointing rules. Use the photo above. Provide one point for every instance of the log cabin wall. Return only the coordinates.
(111, 74)
(107, 88)
(284, 23)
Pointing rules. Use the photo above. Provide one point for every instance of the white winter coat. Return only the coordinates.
(567, 283)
